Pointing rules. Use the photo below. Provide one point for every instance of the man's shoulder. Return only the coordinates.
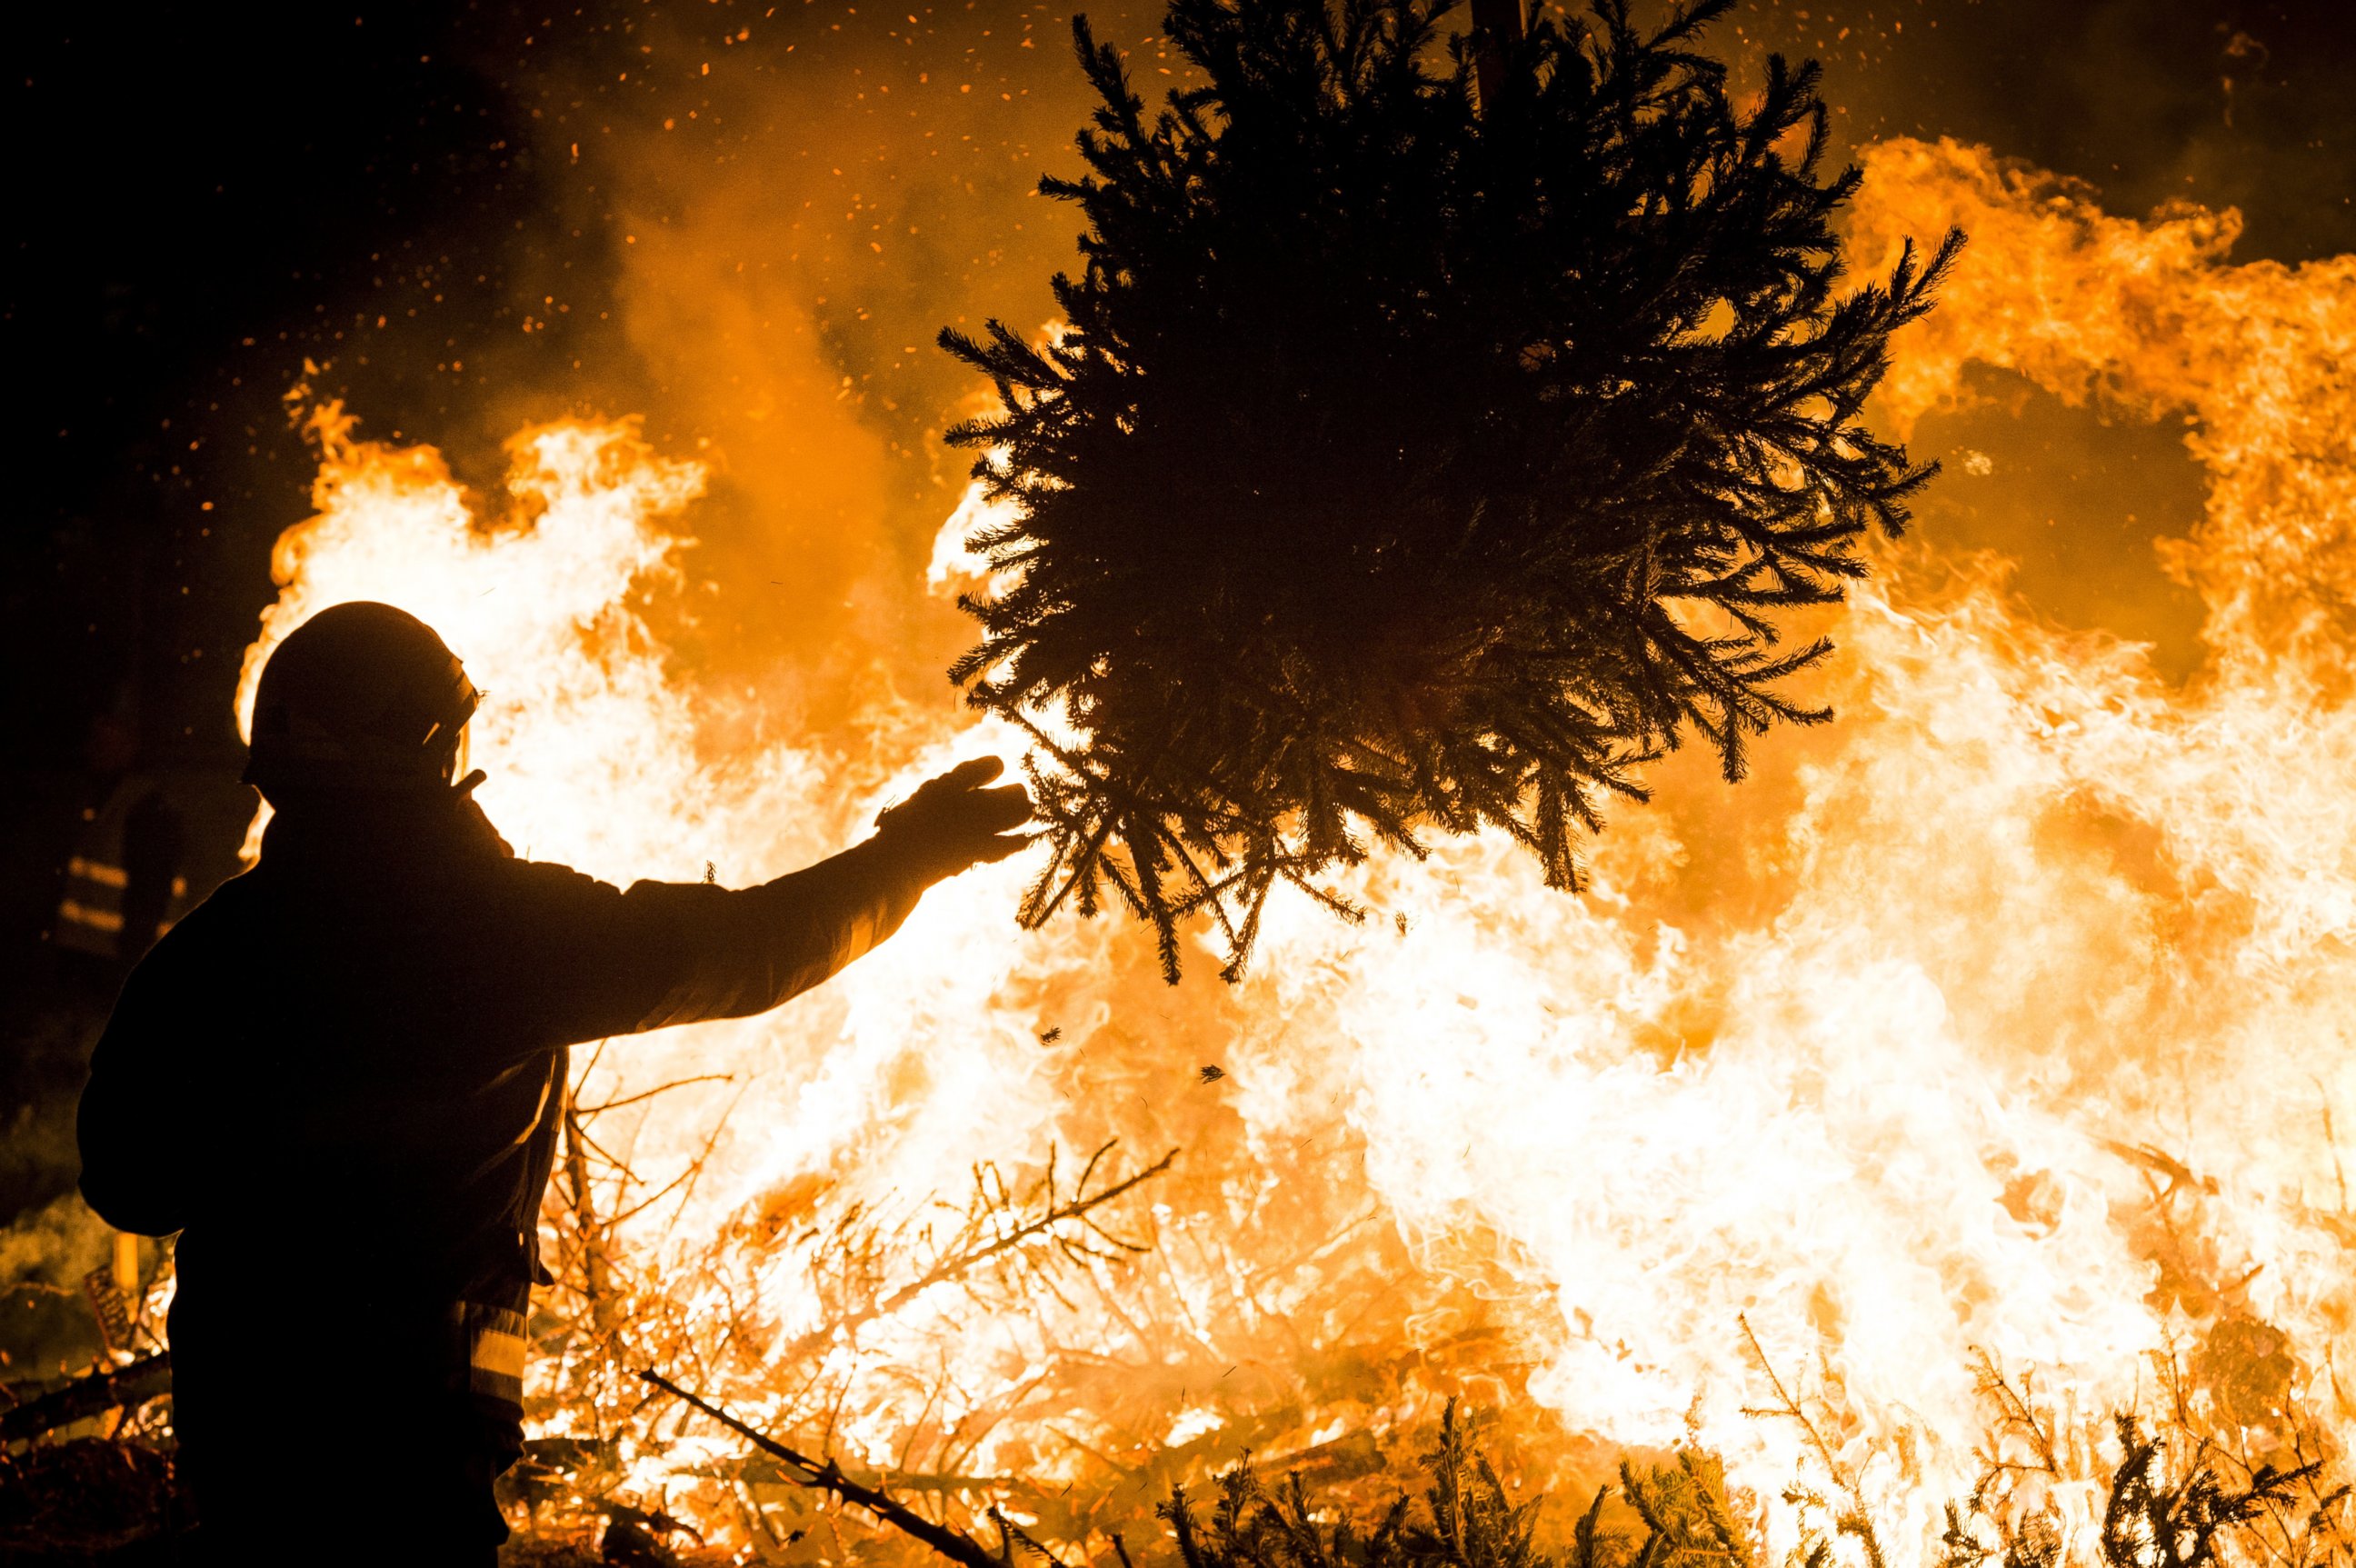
(219, 913)
(551, 878)
(559, 879)
(551, 890)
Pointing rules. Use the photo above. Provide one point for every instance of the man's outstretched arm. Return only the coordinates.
(705, 953)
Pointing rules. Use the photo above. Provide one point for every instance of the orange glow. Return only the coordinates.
(1847, 1068)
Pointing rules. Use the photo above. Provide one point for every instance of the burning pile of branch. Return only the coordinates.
(1011, 1242)
(2221, 1470)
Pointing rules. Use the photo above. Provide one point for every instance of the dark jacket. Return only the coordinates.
(344, 1073)
(341, 1079)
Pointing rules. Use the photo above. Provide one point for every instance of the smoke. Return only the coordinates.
(786, 205)
(2137, 109)
(750, 222)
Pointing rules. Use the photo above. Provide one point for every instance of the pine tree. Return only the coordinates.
(1411, 465)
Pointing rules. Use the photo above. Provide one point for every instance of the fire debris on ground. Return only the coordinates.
(2172, 1500)
(2222, 1467)
(81, 1500)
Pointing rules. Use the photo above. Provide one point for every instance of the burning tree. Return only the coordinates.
(1411, 463)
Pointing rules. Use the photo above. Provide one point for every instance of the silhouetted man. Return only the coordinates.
(126, 883)
(341, 1078)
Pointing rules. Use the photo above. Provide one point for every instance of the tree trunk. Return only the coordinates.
(1497, 28)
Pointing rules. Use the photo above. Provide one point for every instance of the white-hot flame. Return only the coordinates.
(2009, 1016)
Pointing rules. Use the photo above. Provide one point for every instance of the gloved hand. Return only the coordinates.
(951, 822)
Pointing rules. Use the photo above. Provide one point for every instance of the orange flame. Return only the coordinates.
(2008, 1017)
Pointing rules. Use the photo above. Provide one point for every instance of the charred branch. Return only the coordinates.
(953, 1544)
(1000, 1225)
(127, 1387)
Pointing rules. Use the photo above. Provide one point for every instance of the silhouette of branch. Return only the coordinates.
(953, 1544)
(987, 1235)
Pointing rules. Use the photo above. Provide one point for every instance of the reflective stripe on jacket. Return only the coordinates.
(135, 833)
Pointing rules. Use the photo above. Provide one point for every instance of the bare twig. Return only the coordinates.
(1855, 1522)
(695, 1171)
(979, 1242)
(651, 1093)
(2014, 1410)
(659, 1193)
(126, 1386)
(953, 1544)
(594, 1287)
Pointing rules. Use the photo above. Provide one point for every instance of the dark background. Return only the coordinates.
(213, 205)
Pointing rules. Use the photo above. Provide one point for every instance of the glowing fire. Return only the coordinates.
(2007, 1016)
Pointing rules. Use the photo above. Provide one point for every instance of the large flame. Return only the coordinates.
(2001, 1026)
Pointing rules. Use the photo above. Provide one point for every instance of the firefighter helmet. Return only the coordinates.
(360, 697)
